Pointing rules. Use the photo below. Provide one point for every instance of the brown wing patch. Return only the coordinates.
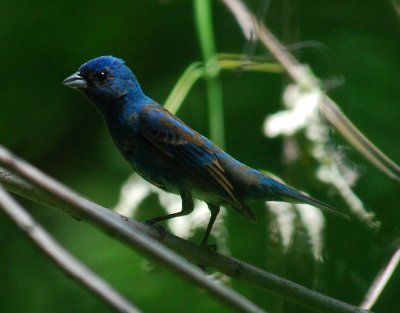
(218, 173)
(172, 143)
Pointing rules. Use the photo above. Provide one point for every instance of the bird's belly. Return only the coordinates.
(208, 196)
(163, 171)
(169, 176)
(158, 178)
(157, 170)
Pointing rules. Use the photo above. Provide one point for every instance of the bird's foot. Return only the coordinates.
(161, 230)
(210, 247)
(202, 267)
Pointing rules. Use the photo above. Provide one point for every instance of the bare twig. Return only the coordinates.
(64, 260)
(126, 229)
(396, 6)
(303, 77)
(381, 281)
(117, 226)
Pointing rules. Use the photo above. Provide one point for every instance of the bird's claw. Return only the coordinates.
(210, 247)
(161, 230)
(202, 267)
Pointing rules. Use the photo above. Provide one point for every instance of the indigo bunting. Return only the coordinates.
(168, 153)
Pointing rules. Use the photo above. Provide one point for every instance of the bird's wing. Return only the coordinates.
(176, 140)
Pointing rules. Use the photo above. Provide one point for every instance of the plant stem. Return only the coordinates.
(175, 99)
(214, 90)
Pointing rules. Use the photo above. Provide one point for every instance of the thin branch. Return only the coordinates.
(303, 77)
(126, 229)
(60, 256)
(225, 61)
(192, 73)
(381, 281)
(114, 224)
(230, 61)
(336, 116)
(396, 6)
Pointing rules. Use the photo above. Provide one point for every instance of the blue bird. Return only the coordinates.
(168, 153)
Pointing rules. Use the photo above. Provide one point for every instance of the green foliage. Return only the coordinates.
(57, 130)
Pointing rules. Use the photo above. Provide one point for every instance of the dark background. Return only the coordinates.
(58, 130)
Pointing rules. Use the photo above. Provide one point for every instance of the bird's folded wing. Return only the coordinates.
(176, 140)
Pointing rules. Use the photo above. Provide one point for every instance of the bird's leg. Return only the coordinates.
(214, 213)
(187, 208)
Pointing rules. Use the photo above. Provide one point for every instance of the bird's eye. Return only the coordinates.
(101, 76)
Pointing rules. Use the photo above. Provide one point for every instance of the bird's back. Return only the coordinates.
(167, 152)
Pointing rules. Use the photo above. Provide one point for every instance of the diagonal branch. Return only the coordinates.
(303, 77)
(64, 260)
(48, 191)
(130, 232)
(381, 281)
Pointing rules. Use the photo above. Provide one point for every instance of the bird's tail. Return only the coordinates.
(286, 193)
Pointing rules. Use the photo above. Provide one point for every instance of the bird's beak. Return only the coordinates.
(75, 81)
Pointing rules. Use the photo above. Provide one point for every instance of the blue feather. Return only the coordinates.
(171, 155)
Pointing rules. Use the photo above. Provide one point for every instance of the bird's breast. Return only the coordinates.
(147, 161)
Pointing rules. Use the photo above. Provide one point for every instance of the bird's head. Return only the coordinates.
(105, 80)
